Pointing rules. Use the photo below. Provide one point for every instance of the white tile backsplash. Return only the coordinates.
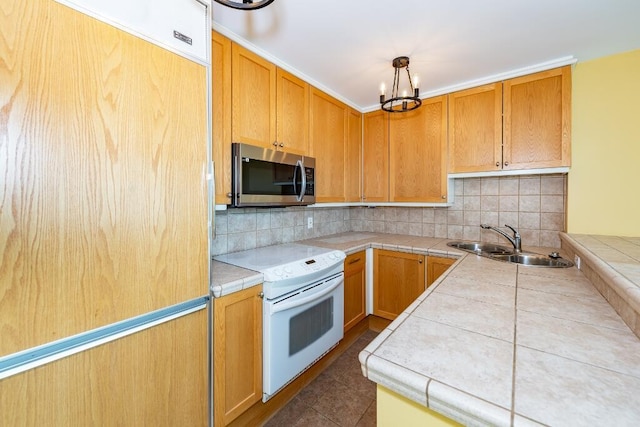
(535, 204)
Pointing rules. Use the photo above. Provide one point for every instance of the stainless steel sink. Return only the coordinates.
(481, 248)
(533, 259)
(506, 254)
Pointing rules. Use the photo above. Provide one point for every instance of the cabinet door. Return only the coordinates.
(537, 120)
(155, 377)
(254, 98)
(237, 365)
(375, 155)
(292, 121)
(475, 129)
(418, 153)
(398, 279)
(328, 142)
(354, 289)
(221, 115)
(104, 143)
(436, 266)
(353, 161)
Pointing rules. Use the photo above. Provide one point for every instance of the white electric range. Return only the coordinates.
(303, 306)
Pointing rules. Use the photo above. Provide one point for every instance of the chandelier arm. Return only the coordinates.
(245, 5)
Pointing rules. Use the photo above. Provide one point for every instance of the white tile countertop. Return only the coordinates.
(501, 344)
(493, 343)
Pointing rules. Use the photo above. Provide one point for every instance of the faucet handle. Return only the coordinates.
(515, 232)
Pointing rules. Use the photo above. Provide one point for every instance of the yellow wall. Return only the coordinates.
(394, 410)
(604, 181)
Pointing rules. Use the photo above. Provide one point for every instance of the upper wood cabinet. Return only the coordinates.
(537, 120)
(521, 123)
(328, 132)
(475, 129)
(221, 115)
(353, 157)
(375, 157)
(292, 115)
(418, 153)
(253, 82)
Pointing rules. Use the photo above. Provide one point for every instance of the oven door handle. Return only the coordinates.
(275, 308)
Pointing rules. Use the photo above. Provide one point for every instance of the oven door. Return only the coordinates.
(298, 329)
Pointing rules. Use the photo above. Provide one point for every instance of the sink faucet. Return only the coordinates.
(516, 241)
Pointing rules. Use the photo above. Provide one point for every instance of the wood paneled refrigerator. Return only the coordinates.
(105, 213)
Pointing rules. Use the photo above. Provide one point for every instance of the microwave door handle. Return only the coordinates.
(300, 196)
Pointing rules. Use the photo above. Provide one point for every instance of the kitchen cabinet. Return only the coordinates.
(375, 157)
(103, 159)
(475, 129)
(292, 114)
(398, 279)
(353, 157)
(537, 120)
(221, 115)
(237, 359)
(256, 103)
(354, 289)
(405, 155)
(156, 377)
(418, 153)
(436, 266)
(328, 132)
(521, 123)
(253, 107)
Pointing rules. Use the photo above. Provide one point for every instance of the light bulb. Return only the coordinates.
(383, 88)
(416, 81)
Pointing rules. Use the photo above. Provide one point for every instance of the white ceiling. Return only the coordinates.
(345, 47)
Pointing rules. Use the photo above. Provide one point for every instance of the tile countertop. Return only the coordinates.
(493, 343)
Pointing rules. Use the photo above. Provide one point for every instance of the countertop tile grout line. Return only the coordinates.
(515, 335)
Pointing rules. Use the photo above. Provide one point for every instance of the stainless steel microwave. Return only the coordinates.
(265, 177)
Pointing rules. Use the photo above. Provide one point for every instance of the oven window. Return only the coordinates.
(305, 328)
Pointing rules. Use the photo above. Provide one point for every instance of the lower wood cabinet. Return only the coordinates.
(354, 289)
(398, 279)
(436, 266)
(237, 329)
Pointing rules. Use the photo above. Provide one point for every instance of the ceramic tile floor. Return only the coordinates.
(339, 396)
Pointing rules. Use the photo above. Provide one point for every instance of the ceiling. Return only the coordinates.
(346, 47)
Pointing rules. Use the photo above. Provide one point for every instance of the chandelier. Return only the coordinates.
(245, 4)
(409, 100)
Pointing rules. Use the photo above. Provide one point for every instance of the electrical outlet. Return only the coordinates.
(310, 222)
(576, 261)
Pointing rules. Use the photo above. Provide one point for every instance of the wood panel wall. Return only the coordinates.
(103, 204)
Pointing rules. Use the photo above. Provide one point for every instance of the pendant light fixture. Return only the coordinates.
(245, 4)
(409, 99)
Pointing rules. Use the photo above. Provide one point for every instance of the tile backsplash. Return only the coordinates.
(534, 204)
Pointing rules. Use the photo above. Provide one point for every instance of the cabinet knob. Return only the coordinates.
(261, 295)
(444, 196)
(281, 144)
(419, 261)
(229, 195)
(498, 164)
(275, 143)
(506, 163)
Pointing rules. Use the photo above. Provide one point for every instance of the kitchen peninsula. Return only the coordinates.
(492, 343)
